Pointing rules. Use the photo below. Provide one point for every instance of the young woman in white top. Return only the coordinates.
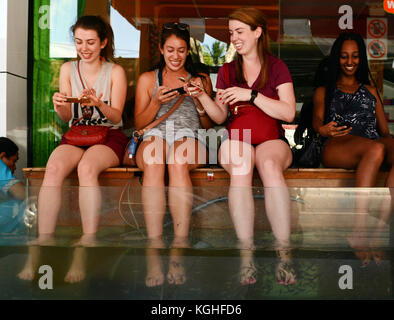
(105, 85)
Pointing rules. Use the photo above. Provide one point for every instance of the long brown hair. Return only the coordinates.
(103, 29)
(253, 18)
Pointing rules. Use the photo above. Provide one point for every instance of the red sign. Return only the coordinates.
(389, 6)
(376, 49)
(377, 28)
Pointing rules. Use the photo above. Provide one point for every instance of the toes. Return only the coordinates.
(170, 278)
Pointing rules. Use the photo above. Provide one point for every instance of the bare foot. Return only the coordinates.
(29, 270)
(285, 273)
(44, 240)
(87, 240)
(176, 272)
(77, 272)
(248, 274)
(28, 273)
(154, 273)
(154, 277)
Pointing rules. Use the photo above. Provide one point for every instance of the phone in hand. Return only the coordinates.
(77, 100)
(344, 123)
(180, 90)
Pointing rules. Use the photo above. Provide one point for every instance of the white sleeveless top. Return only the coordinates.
(102, 85)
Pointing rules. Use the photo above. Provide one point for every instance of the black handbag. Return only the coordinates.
(309, 156)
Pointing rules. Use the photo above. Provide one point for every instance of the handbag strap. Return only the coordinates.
(161, 119)
(226, 74)
(140, 133)
(80, 77)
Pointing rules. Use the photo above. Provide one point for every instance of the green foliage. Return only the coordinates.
(214, 56)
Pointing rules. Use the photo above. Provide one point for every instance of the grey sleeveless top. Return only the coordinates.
(102, 85)
(184, 122)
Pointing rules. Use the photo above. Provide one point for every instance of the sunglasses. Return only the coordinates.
(176, 25)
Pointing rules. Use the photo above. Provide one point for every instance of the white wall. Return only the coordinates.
(3, 66)
(13, 111)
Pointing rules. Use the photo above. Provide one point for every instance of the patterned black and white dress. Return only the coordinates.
(358, 109)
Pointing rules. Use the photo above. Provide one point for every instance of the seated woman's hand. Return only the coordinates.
(163, 95)
(59, 101)
(235, 94)
(332, 130)
(94, 101)
(194, 88)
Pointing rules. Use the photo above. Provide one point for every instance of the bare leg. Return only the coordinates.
(60, 164)
(237, 158)
(366, 156)
(183, 157)
(154, 273)
(96, 159)
(272, 158)
(29, 270)
(388, 143)
(151, 159)
(77, 271)
(352, 152)
(247, 270)
(176, 271)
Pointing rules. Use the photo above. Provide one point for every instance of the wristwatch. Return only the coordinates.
(253, 95)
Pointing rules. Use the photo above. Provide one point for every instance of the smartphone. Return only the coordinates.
(77, 100)
(180, 90)
(344, 123)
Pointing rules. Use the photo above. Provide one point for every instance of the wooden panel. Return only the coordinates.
(218, 177)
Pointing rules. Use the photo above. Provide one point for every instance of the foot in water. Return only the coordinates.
(285, 273)
(87, 240)
(29, 270)
(154, 277)
(176, 272)
(154, 274)
(77, 272)
(248, 274)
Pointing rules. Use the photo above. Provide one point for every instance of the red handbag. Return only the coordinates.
(84, 135)
(247, 116)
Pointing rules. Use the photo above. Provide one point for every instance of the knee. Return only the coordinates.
(87, 171)
(270, 169)
(178, 169)
(375, 152)
(154, 170)
(55, 173)
(269, 166)
(237, 165)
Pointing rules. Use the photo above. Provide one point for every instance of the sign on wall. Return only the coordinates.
(377, 38)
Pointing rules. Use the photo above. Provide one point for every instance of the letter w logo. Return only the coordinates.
(389, 6)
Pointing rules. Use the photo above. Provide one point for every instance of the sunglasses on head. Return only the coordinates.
(173, 25)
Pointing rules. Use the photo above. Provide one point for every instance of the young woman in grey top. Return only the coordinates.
(173, 144)
(178, 131)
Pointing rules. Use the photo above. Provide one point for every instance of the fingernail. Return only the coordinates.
(220, 99)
